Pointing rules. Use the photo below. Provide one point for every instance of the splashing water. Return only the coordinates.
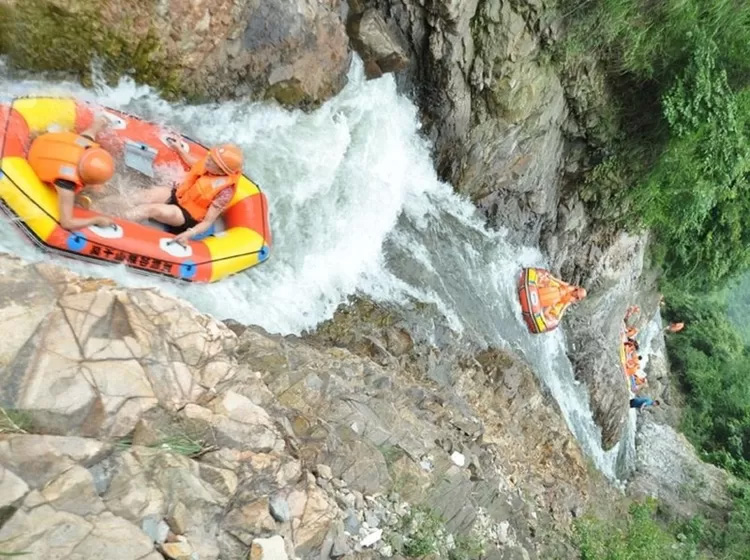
(355, 206)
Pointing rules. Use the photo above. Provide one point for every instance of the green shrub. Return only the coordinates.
(711, 362)
(679, 71)
(639, 537)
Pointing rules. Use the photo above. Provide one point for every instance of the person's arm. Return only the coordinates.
(66, 200)
(185, 156)
(99, 124)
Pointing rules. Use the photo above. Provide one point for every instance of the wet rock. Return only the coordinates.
(296, 52)
(376, 44)
(268, 549)
(595, 324)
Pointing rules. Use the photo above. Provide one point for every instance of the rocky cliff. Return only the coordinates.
(295, 51)
(132, 422)
(511, 129)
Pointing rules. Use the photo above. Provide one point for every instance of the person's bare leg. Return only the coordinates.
(168, 214)
(155, 197)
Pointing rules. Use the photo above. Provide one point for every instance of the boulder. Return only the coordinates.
(294, 51)
(668, 468)
(376, 43)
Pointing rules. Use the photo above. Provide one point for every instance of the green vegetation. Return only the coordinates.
(639, 536)
(422, 533)
(14, 421)
(712, 363)
(43, 36)
(646, 535)
(674, 157)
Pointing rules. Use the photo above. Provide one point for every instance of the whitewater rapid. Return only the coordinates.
(356, 207)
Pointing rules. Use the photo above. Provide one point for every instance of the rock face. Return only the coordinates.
(613, 278)
(669, 469)
(493, 104)
(145, 427)
(295, 51)
(376, 43)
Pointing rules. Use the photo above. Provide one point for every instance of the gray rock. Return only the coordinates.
(372, 519)
(345, 501)
(324, 472)
(155, 527)
(376, 44)
(359, 499)
(669, 469)
(352, 523)
(340, 545)
(279, 508)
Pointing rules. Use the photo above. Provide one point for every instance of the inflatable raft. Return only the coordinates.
(630, 362)
(545, 298)
(242, 239)
(528, 294)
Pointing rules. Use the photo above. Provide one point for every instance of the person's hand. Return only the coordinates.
(102, 221)
(175, 143)
(183, 237)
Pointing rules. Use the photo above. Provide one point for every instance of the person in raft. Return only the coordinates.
(191, 208)
(555, 299)
(642, 402)
(71, 163)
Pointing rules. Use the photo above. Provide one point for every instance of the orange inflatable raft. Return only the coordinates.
(540, 315)
(242, 240)
(630, 362)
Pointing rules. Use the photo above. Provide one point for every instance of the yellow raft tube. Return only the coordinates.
(244, 242)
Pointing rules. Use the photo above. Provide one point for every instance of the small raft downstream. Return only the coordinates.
(544, 299)
(241, 241)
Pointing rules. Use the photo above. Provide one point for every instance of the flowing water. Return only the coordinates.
(356, 207)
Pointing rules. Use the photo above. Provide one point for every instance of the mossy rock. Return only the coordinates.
(42, 35)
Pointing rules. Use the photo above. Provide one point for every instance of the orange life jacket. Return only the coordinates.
(198, 190)
(548, 295)
(556, 311)
(55, 155)
(556, 294)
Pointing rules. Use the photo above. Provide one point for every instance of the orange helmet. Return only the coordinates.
(227, 157)
(96, 166)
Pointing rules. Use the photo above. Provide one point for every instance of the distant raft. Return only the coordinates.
(631, 364)
(544, 299)
(242, 239)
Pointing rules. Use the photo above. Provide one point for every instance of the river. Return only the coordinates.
(356, 208)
